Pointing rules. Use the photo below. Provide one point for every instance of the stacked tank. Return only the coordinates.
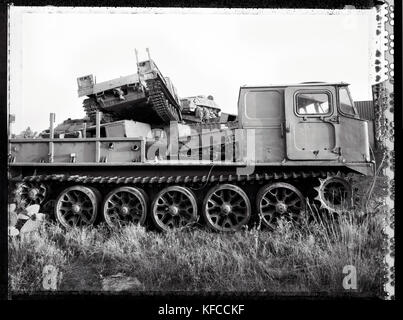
(146, 96)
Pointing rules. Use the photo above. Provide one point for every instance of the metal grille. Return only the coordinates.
(365, 109)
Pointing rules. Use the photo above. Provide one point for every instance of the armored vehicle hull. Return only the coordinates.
(290, 143)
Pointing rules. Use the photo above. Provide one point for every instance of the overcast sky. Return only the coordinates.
(203, 51)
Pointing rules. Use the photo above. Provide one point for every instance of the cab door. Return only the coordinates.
(311, 123)
(261, 114)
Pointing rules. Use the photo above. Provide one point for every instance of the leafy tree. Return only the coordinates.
(28, 133)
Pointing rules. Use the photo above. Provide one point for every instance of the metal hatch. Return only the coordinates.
(311, 123)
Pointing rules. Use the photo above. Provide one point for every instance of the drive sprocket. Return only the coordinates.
(334, 193)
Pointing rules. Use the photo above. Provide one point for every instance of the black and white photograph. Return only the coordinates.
(184, 150)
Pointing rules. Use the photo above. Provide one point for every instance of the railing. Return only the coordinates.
(81, 150)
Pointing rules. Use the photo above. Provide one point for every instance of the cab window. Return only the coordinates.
(346, 105)
(313, 103)
(263, 104)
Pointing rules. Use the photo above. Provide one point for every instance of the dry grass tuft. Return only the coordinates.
(306, 258)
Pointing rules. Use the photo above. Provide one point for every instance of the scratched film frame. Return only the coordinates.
(383, 119)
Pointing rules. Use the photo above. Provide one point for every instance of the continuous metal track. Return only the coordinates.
(226, 187)
(176, 179)
(160, 104)
(91, 106)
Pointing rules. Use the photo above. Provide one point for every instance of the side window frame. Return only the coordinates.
(248, 117)
(313, 115)
(355, 115)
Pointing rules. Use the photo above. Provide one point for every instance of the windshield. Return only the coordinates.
(346, 105)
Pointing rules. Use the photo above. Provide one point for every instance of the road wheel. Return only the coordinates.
(174, 207)
(77, 206)
(279, 200)
(226, 207)
(125, 205)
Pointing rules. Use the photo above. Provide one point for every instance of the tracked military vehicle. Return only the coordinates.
(145, 96)
(150, 162)
(199, 109)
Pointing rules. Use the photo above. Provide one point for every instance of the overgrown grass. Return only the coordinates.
(307, 258)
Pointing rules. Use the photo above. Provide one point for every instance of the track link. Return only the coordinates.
(91, 106)
(183, 180)
(197, 185)
(165, 110)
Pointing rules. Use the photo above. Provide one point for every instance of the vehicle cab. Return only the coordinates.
(306, 123)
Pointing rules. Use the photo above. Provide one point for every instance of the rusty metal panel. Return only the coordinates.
(305, 139)
(80, 151)
(122, 151)
(354, 140)
(77, 151)
(366, 111)
(128, 129)
(269, 145)
(29, 151)
(111, 101)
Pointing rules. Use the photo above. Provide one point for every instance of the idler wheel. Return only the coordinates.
(31, 192)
